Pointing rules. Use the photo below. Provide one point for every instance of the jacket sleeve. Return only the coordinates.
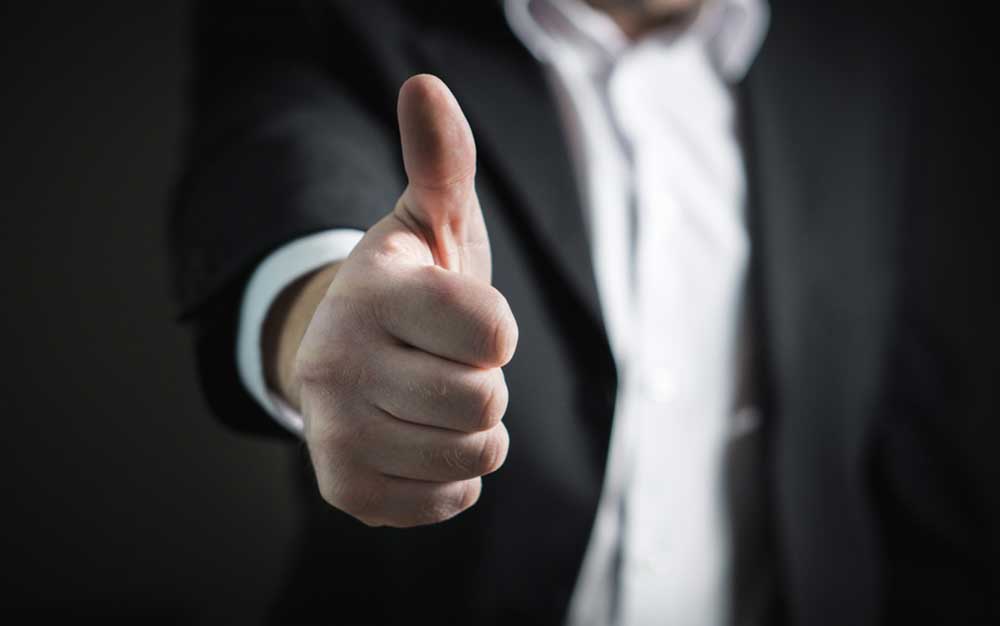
(290, 134)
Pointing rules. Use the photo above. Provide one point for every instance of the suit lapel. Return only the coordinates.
(519, 136)
(823, 147)
(822, 144)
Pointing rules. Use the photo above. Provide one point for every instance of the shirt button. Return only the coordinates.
(661, 385)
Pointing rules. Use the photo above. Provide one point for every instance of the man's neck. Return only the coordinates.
(638, 17)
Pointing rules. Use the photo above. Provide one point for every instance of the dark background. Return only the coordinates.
(120, 494)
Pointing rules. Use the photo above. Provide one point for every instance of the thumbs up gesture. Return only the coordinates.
(398, 373)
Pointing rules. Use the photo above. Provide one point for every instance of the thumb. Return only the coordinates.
(439, 154)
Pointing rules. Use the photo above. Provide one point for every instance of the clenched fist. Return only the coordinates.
(398, 372)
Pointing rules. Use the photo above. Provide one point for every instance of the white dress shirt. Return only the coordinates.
(652, 132)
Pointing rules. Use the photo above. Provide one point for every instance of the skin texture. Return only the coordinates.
(393, 356)
(397, 373)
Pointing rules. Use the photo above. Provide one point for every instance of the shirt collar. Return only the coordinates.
(732, 31)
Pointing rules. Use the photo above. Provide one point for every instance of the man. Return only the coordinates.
(587, 211)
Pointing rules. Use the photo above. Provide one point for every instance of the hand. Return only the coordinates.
(398, 373)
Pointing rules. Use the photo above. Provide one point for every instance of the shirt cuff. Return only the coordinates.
(280, 269)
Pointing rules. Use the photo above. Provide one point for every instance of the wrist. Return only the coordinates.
(286, 324)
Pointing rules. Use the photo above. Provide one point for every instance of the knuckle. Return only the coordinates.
(385, 255)
(493, 451)
(491, 400)
(328, 491)
(332, 490)
(324, 352)
(498, 331)
(448, 503)
(362, 500)
(452, 460)
(469, 494)
(507, 333)
(435, 509)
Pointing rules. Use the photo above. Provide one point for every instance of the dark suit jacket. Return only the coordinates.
(871, 493)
